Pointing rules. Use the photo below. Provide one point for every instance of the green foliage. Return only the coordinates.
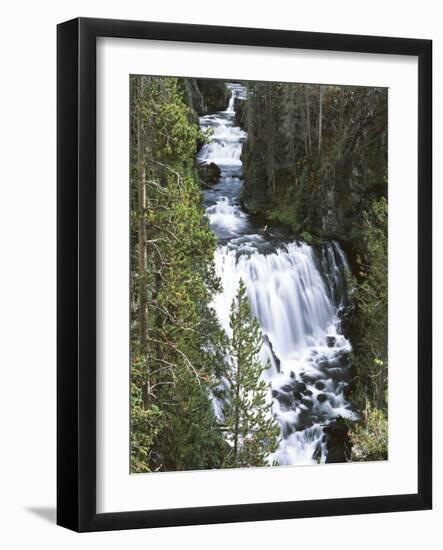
(307, 237)
(249, 425)
(371, 302)
(172, 423)
(369, 335)
(215, 93)
(171, 138)
(315, 156)
(370, 437)
(146, 423)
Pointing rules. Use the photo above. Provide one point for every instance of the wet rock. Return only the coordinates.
(321, 397)
(219, 393)
(285, 400)
(330, 341)
(305, 420)
(287, 430)
(317, 453)
(292, 374)
(299, 387)
(286, 388)
(307, 402)
(346, 316)
(320, 385)
(308, 392)
(338, 442)
(271, 349)
(309, 379)
(209, 173)
(199, 144)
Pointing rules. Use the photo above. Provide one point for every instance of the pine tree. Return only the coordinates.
(174, 332)
(250, 427)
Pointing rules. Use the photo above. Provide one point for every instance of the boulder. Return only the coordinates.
(285, 400)
(209, 173)
(299, 387)
(338, 442)
(308, 379)
(330, 341)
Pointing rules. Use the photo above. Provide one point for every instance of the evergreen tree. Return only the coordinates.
(371, 300)
(250, 427)
(174, 332)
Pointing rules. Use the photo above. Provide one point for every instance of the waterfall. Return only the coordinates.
(286, 291)
(295, 293)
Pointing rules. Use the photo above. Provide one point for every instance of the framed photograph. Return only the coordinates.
(244, 274)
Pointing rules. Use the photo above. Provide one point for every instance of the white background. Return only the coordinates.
(27, 299)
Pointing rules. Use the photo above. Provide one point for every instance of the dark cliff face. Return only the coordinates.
(215, 93)
(240, 113)
(203, 97)
(193, 97)
(316, 156)
(206, 96)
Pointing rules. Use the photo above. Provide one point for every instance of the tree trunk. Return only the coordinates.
(320, 119)
(308, 119)
(237, 410)
(141, 222)
(237, 392)
(270, 135)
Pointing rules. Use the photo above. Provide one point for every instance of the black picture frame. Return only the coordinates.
(76, 281)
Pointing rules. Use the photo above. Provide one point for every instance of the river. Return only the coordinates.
(296, 293)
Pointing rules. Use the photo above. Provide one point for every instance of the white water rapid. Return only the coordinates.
(295, 293)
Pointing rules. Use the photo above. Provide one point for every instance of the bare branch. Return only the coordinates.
(180, 352)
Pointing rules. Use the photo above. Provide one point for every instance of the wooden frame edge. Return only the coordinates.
(76, 257)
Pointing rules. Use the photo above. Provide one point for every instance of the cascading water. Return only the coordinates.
(295, 293)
